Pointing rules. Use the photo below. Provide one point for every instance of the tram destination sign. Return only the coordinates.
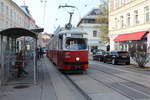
(77, 35)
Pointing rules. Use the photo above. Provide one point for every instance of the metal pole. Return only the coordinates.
(34, 62)
(71, 13)
(15, 45)
(2, 61)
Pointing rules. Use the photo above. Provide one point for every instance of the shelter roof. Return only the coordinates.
(18, 32)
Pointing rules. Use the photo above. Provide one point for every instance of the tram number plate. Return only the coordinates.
(124, 56)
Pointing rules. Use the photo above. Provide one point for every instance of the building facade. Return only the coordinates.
(43, 40)
(90, 25)
(11, 15)
(129, 21)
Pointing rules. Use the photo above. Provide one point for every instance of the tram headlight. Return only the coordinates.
(77, 59)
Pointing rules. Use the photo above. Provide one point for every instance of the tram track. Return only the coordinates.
(124, 87)
(78, 87)
(111, 88)
(110, 73)
(89, 96)
(81, 92)
(64, 88)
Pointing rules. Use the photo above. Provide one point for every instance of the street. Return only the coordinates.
(132, 85)
(74, 50)
(100, 82)
(107, 82)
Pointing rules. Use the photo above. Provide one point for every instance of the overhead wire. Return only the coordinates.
(60, 2)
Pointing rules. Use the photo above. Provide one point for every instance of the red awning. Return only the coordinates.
(130, 36)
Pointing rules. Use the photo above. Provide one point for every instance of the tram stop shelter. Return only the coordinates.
(9, 46)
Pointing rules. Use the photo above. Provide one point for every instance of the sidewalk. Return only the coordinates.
(45, 89)
(133, 62)
(42, 91)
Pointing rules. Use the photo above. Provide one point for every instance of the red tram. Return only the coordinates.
(69, 50)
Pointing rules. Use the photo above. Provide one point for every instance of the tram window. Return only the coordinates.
(76, 44)
(60, 36)
(60, 44)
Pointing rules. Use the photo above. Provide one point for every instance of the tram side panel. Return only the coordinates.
(55, 57)
(60, 59)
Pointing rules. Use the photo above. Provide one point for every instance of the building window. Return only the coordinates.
(128, 1)
(94, 33)
(116, 23)
(136, 17)
(2, 7)
(122, 2)
(6, 10)
(11, 13)
(146, 14)
(128, 19)
(89, 21)
(116, 4)
(119, 3)
(121, 21)
(6, 24)
(14, 16)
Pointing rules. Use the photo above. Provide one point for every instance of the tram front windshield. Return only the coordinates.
(76, 44)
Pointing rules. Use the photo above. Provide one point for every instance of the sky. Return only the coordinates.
(53, 16)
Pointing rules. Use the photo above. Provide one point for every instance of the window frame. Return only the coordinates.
(94, 33)
(128, 19)
(136, 17)
(146, 12)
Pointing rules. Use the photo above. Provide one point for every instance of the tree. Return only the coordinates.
(139, 53)
(103, 20)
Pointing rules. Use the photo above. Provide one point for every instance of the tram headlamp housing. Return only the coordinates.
(77, 59)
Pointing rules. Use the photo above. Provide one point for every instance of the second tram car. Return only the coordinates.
(69, 50)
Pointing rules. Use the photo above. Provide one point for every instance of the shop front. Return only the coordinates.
(130, 41)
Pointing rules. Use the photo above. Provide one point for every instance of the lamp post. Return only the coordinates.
(44, 1)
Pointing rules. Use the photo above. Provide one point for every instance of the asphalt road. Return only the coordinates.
(131, 84)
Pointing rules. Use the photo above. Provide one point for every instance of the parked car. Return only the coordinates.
(99, 55)
(96, 50)
(116, 57)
